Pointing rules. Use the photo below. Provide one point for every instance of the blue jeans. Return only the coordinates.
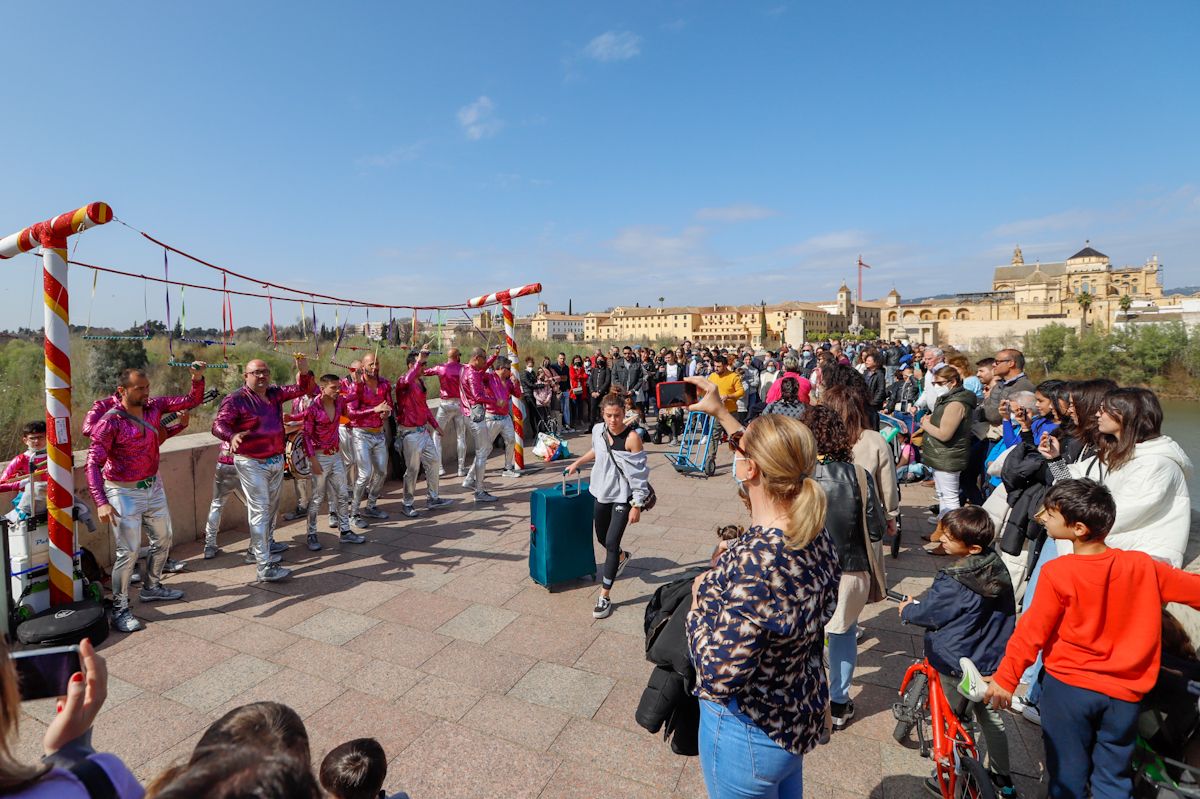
(1089, 739)
(564, 404)
(739, 761)
(843, 656)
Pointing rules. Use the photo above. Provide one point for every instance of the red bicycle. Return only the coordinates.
(940, 735)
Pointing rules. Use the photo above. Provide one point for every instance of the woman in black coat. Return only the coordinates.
(599, 383)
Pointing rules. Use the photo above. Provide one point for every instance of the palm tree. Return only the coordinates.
(1084, 298)
(661, 300)
(1125, 303)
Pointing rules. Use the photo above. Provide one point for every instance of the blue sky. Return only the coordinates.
(615, 152)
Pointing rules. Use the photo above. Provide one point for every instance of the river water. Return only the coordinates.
(1181, 421)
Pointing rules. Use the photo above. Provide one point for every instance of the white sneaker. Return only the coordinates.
(972, 684)
(511, 473)
(1030, 712)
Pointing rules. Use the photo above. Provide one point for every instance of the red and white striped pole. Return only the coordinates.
(52, 236)
(504, 299)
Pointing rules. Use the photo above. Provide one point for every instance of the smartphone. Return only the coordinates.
(676, 394)
(44, 673)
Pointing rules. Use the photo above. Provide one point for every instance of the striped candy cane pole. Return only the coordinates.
(52, 236)
(504, 299)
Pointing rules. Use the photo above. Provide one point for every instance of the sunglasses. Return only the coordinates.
(735, 442)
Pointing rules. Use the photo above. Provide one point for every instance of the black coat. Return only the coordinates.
(629, 375)
(599, 381)
(876, 387)
(844, 516)
(667, 703)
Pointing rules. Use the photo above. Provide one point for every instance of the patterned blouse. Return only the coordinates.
(756, 633)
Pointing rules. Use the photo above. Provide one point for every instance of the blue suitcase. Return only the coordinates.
(560, 533)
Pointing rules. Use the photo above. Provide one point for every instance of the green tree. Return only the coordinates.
(1125, 303)
(107, 359)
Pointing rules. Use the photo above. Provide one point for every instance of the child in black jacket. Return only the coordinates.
(969, 613)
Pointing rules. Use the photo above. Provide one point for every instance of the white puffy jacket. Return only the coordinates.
(1154, 509)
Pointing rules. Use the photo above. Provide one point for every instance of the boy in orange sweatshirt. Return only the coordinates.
(1097, 617)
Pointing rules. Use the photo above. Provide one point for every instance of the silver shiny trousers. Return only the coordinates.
(331, 481)
(261, 483)
(346, 446)
(371, 458)
(451, 422)
(138, 509)
(485, 433)
(225, 482)
(419, 449)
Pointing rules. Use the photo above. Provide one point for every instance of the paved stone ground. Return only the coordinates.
(479, 683)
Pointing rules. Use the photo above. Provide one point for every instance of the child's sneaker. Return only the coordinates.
(972, 684)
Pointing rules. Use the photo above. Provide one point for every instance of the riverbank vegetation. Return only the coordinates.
(1164, 357)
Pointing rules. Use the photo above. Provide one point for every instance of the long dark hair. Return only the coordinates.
(833, 444)
(1087, 396)
(1053, 391)
(850, 404)
(789, 391)
(1140, 415)
(225, 771)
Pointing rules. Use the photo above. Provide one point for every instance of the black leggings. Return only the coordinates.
(611, 520)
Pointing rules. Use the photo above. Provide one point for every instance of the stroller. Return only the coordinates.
(895, 432)
(546, 407)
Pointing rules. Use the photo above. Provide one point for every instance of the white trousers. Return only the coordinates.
(371, 460)
(485, 433)
(331, 480)
(945, 488)
(225, 482)
(261, 481)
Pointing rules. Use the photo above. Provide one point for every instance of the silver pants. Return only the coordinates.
(451, 422)
(138, 509)
(346, 446)
(332, 479)
(371, 458)
(225, 482)
(419, 449)
(261, 483)
(303, 491)
(485, 433)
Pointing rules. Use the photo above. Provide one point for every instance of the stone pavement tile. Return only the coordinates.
(257, 639)
(617, 655)
(873, 717)
(362, 596)
(621, 704)
(628, 618)
(319, 659)
(309, 584)
(578, 781)
(507, 569)
(480, 589)
(849, 761)
(546, 639)
(178, 754)
(878, 666)
(626, 754)
(420, 609)
(532, 726)
(572, 604)
(44, 710)
(334, 626)
(166, 659)
(145, 727)
(382, 679)
(274, 610)
(302, 692)
(691, 781)
(478, 623)
(441, 698)
(579, 693)
(485, 669)
(395, 643)
(209, 626)
(222, 682)
(357, 715)
(434, 766)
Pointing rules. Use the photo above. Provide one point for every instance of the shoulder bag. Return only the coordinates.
(651, 498)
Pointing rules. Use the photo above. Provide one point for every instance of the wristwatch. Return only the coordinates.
(637, 505)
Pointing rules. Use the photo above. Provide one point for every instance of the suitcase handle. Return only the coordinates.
(578, 484)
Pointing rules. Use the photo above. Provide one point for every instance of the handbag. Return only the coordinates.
(878, 588)
(651, 497)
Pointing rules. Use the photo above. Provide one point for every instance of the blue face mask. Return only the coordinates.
(741, 484)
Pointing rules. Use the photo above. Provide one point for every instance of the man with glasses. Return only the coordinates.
(1010, 368)
(932, 359)
(251, 421)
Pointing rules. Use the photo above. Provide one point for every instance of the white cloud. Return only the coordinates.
(479, 120)
(394, 157)
(614, 46)
(1062, 220)
(833, 242)
(734, 213)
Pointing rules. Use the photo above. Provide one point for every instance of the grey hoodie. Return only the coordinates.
(607, 485)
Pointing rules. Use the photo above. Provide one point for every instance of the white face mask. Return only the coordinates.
(939, 391)
(528, 367)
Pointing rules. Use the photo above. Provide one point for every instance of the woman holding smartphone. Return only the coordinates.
(67, 743)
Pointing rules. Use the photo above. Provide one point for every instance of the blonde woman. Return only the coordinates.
(757, 620)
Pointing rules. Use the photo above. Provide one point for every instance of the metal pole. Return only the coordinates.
(52, 236)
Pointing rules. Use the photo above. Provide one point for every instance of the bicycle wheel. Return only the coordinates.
(911, 707)
(973, 781)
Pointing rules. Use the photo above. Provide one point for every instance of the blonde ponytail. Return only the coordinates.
(786, 454)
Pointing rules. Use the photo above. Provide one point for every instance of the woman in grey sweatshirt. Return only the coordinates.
(620, 483)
